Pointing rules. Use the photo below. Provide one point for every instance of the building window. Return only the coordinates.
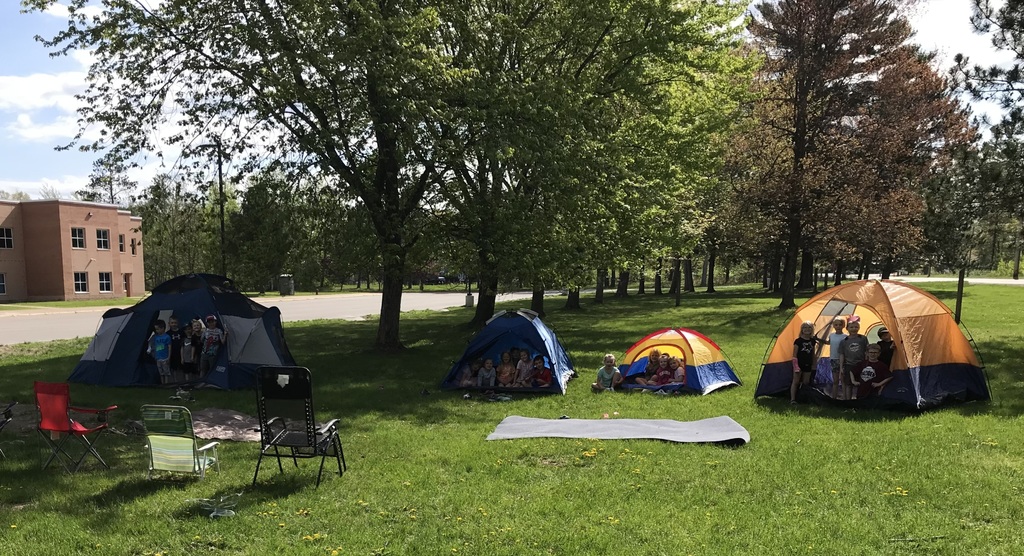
(6, 238)
(81, 282)
(3, 284)
(103, 240)
(120, 242)
(78, 238)
(133, 247)
(106, 282)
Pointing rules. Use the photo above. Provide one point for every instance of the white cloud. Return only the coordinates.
(59, 129)
(40, 90)
(65, 185)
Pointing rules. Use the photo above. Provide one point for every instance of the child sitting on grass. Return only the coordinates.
(608, 376)
(487, 375)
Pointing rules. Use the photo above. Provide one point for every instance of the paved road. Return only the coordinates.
(45, 324)
(41, 325)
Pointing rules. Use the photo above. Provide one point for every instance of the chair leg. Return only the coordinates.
(57, 451)
(89, 449)
(277, 454)
(339, 455)
(321, 472)
(258, 462)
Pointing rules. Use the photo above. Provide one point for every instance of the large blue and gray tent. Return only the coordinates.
(523, 330)
(117, 354)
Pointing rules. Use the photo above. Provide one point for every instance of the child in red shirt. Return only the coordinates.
(871, 375)
(542, 376)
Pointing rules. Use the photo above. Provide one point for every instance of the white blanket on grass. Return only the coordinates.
(715, 429)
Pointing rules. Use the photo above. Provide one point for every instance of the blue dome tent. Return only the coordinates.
(117, 353)
(521, 329)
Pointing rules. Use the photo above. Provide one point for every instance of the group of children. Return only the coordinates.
(661, 370)
(863, 369)
(185, 354)
(515, 370)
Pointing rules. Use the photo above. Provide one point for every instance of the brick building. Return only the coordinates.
(55, 249)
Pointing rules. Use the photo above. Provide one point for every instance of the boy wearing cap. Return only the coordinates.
(887, 345)
(212, 339)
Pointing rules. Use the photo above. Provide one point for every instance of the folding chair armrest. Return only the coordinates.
(333, 423)
(100, 413)
(208, 446)
(93, 410)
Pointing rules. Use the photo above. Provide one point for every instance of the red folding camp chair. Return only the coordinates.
(56, 425)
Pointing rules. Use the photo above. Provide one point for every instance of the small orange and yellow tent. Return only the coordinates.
(933, 363)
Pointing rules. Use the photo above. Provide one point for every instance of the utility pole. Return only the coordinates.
(220, 183)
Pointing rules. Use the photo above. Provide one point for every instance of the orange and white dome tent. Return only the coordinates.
(934, 362)
(706, 367)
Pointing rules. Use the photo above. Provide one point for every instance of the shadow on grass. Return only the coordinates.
(266, 490)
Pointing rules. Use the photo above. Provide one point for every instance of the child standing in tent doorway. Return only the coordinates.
(888, 347)
(211, 341)
(487, 375)
(851, 352)
(835, 339)
(160, 348)
(608, 377)
(872, 374)
(506, 370)
(805, 359)
(177, 339)
(192, 336)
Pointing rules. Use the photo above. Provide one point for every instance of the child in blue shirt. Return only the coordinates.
(160, 348)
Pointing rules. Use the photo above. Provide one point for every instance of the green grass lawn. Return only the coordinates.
(422, 479)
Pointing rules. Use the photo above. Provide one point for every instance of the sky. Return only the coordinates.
(37, 104)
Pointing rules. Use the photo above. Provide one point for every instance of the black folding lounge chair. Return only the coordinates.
(284, 402)
(6, 417)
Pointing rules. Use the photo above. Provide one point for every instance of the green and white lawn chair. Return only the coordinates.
(172, 442)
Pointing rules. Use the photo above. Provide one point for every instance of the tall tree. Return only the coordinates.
(815, 52)
(345, 85)
(107, 184)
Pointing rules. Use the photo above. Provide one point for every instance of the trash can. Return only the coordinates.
(286, 284)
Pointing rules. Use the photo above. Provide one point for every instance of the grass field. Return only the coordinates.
(422, 479)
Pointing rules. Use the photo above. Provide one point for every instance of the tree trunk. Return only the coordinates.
(640, 282)
(393, 266)
(688, 275)
(887, 268)
(959, 294)
(764, 275)
(673, 278)
(572, 302)
(599, 292)
(611, 280)
(712, 255)
(537, 301)
(623, 289)
(657, 277)
(487, 295)
(703, 272)
(676, 285)
(839, 273)
(865, 266)
(806, 270)
(788, 279)
(728, 270)
(1016, 259)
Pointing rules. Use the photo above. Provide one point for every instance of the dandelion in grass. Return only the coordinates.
(406, 483)
(302, 511)
(990, 442)
(612, 520)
